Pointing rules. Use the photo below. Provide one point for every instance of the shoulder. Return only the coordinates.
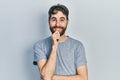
(75, 42)
(43, 42)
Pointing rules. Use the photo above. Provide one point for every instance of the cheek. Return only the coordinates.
(64, 25)
(51, 23)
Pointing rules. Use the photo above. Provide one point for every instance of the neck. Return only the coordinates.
(63, 38)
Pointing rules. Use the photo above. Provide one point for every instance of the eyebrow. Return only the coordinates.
(52, 17)
(62, 18)
(55, 17)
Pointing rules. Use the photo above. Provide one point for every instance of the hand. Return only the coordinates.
(55, 37)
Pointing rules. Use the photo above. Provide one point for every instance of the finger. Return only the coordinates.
(55, 31)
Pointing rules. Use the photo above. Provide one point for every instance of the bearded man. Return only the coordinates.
(60, 57)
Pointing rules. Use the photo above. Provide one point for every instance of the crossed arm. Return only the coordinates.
(47, 68)
(82, 73)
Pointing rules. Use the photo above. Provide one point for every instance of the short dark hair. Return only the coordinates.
(59, 7)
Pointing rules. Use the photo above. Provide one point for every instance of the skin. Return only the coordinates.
(58, 23)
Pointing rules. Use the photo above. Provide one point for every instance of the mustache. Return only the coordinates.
(58, 27)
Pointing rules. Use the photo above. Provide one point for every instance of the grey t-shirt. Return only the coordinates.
(70, 55)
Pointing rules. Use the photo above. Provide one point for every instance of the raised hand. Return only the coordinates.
(55, 37)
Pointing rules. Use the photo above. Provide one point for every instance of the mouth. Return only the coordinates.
(61, 30)
(57, 29)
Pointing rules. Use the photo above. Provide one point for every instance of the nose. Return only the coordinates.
(57, 23)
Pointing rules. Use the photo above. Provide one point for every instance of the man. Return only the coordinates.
(60, 57)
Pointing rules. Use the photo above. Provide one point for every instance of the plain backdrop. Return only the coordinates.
(94, 22)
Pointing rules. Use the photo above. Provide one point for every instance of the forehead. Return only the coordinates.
(59, 14)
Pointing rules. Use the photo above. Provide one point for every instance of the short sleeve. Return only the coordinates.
(80, 56)
(38, 53)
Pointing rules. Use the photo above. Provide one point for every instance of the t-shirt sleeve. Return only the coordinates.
(80, 56)
(39, 53)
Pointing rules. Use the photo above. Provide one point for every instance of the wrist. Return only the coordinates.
(54, 47)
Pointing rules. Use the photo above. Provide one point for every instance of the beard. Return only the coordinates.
(62, 31)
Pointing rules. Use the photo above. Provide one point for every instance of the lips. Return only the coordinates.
(57, 29)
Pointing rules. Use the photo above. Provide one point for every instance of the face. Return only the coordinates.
(58, 22)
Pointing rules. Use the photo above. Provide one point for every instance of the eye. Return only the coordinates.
(62, 19)
(53, 19)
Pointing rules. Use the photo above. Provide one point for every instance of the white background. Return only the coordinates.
(94, 22)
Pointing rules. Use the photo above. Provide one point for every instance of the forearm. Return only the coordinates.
(49, 67)
(72, 77)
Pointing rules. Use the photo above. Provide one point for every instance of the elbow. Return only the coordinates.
(83, 77)
(46, 76)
